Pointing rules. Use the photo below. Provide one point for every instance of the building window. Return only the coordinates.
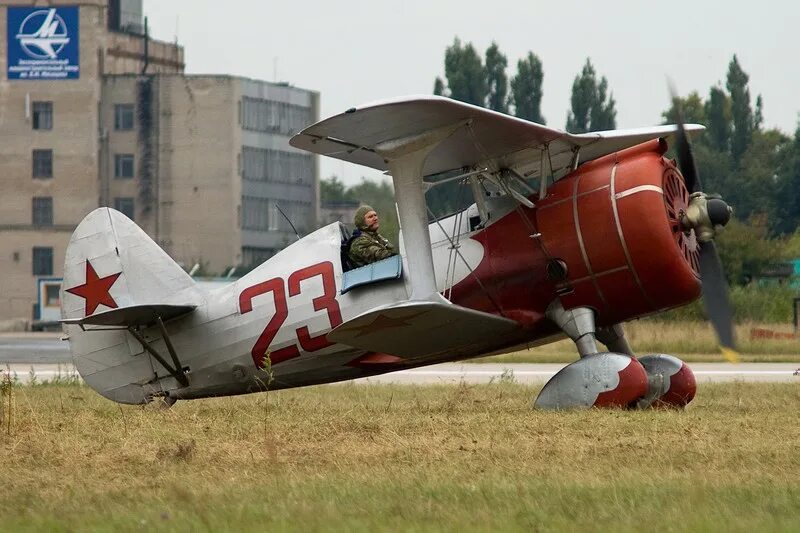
(273, 223)
(42, 261)
(253, 256)
(123, 165)
(276, 166)
(254, 213)
(52, 296)
(42, 163)
(262, 214)
(123, 117)
(124, 206)
(43, 211)
(43, 115)
(270, 116)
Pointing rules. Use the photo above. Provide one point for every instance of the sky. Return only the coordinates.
(354, 51)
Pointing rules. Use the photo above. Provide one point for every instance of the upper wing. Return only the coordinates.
(487, 138)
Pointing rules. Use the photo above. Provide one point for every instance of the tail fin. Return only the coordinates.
(111, 263)
(115, 275)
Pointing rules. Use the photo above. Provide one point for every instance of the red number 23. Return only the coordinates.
(326, 301)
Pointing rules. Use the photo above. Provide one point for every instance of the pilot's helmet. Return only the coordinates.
(360, 214)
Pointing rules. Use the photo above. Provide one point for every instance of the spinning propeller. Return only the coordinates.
(706, 215)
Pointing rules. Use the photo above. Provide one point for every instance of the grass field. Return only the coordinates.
(691, 341)
(364, 458)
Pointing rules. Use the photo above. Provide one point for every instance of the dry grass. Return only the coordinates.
(400, 457)
(691, 341)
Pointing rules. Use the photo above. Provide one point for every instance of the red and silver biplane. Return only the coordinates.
(569, 235)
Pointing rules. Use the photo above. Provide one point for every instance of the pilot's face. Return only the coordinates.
(371, 220)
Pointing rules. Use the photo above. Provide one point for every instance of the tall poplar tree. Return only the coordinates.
(526, 89)
(786, 191)
(496, 79)
(692, 110)
(466, 78)
(592, 108)
(741, 111)
(718, 114)
(758, 119)
(438, 87)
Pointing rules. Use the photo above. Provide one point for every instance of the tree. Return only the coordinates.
(751, 185)
(592, 109)
(718, 114)
(741, 111)
(758, 119)
(745, 249)
(692, 109)
(714, 168)
(469, 81)
(466, 79)
(526, 89)
(791, 248)
(449, 197)
(496, 79)
(438, 87)
(333, 190)
(786, 192)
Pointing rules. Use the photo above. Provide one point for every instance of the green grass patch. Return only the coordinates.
(364, 458)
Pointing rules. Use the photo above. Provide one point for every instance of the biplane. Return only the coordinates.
(568, 236)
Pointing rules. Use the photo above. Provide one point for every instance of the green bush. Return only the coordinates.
(750, 304)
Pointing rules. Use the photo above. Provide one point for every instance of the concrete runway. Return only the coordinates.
(33, 348)
(49, 357)
(529, 373)
(453, 373)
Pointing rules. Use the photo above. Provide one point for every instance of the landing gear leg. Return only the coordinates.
(597, 379)
(614, 339)
(578, 324)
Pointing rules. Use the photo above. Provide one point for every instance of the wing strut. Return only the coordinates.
(406, 159)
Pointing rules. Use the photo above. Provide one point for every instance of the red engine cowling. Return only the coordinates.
(614, 222)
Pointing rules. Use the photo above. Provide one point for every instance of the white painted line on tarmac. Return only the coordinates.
(785, 372)
(550, 372)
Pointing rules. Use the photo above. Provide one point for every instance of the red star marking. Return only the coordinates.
(95, 290)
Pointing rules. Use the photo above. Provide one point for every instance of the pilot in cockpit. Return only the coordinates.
(367, 245)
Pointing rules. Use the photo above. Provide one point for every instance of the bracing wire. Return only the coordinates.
(471, 270)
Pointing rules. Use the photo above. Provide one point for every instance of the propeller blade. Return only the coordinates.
(715, 299)
(684, 149)
(715, 287)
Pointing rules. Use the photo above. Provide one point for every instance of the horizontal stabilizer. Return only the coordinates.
(422, 329)
(134, 315)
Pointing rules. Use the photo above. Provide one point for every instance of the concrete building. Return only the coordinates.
(198, 161)
(205, 160)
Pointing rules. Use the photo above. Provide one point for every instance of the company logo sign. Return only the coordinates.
(43, 43)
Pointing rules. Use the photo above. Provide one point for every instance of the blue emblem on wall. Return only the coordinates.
(43, 43)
